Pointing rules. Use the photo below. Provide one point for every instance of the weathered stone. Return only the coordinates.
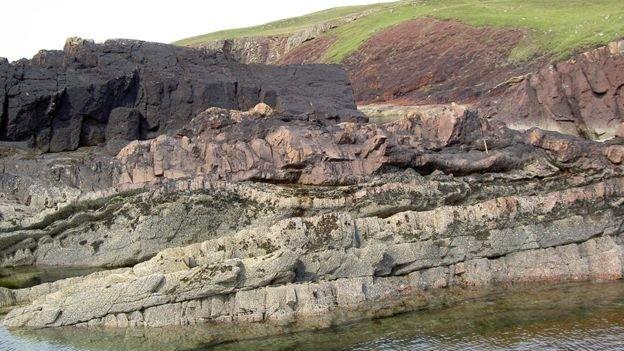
(292, 216)
(620, 131)
(262, 109)
(89, 92)
(581, 96)
(327, 260)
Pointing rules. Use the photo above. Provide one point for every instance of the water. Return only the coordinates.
(565, 317)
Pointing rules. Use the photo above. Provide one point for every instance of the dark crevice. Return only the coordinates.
(389, 212)
(4, 117)
(236, 92)
(488, 257)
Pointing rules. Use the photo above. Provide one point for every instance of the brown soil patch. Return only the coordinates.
(310, 52)
(432, 61)
(425, 61)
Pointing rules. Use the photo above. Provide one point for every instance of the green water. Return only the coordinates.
(564, 317)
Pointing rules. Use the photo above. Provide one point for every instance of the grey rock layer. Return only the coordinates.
(302, 267)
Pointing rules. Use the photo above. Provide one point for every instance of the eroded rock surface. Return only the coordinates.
(302, 267)
(361, 218)
(291, 211)
(236, 146)
(61, 100)
(581, 96)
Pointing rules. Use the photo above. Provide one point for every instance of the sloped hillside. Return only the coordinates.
(437, 52)
(554, 28)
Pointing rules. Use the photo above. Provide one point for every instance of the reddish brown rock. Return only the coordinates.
(581, 96)
(620, 131)
(615, 153)
(236, 146)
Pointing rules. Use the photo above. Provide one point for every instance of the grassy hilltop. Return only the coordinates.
(556, 28)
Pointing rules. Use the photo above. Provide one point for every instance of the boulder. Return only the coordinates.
(262, 109)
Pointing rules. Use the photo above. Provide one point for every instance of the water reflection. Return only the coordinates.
(566, 317)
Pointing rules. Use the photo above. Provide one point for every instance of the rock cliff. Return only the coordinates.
(124, 90)
(292, 216)
(360, 219)
(581, 96)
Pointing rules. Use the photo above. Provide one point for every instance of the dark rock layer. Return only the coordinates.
(61, 100)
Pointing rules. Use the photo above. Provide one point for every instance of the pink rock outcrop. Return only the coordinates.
(582, 96)
(235, 146)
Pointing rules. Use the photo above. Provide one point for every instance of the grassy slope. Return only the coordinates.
(557, 28)
(285, 26)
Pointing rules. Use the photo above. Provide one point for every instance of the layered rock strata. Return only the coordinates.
(176, 190)
(283, 219)
(304, 267)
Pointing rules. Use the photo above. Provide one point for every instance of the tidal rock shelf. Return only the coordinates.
(342, 218)
(301, 268)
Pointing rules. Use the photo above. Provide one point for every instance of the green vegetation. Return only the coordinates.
(556, 29)
(281, 27)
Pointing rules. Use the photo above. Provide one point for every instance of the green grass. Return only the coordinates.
(556, 28)
(281, 27)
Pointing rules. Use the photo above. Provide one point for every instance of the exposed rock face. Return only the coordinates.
(388, 211)
(90, 210)
(300, 268)
(429, 61)
(291, 212)
(422, 61)
(237, 146)
(61, 100)
(250, 50)
(276, 49)
(581, 96)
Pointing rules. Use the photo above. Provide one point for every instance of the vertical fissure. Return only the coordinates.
(4, 117)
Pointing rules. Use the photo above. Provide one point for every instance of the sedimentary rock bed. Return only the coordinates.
(369, 217)
(301, 267)
(296, 211)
